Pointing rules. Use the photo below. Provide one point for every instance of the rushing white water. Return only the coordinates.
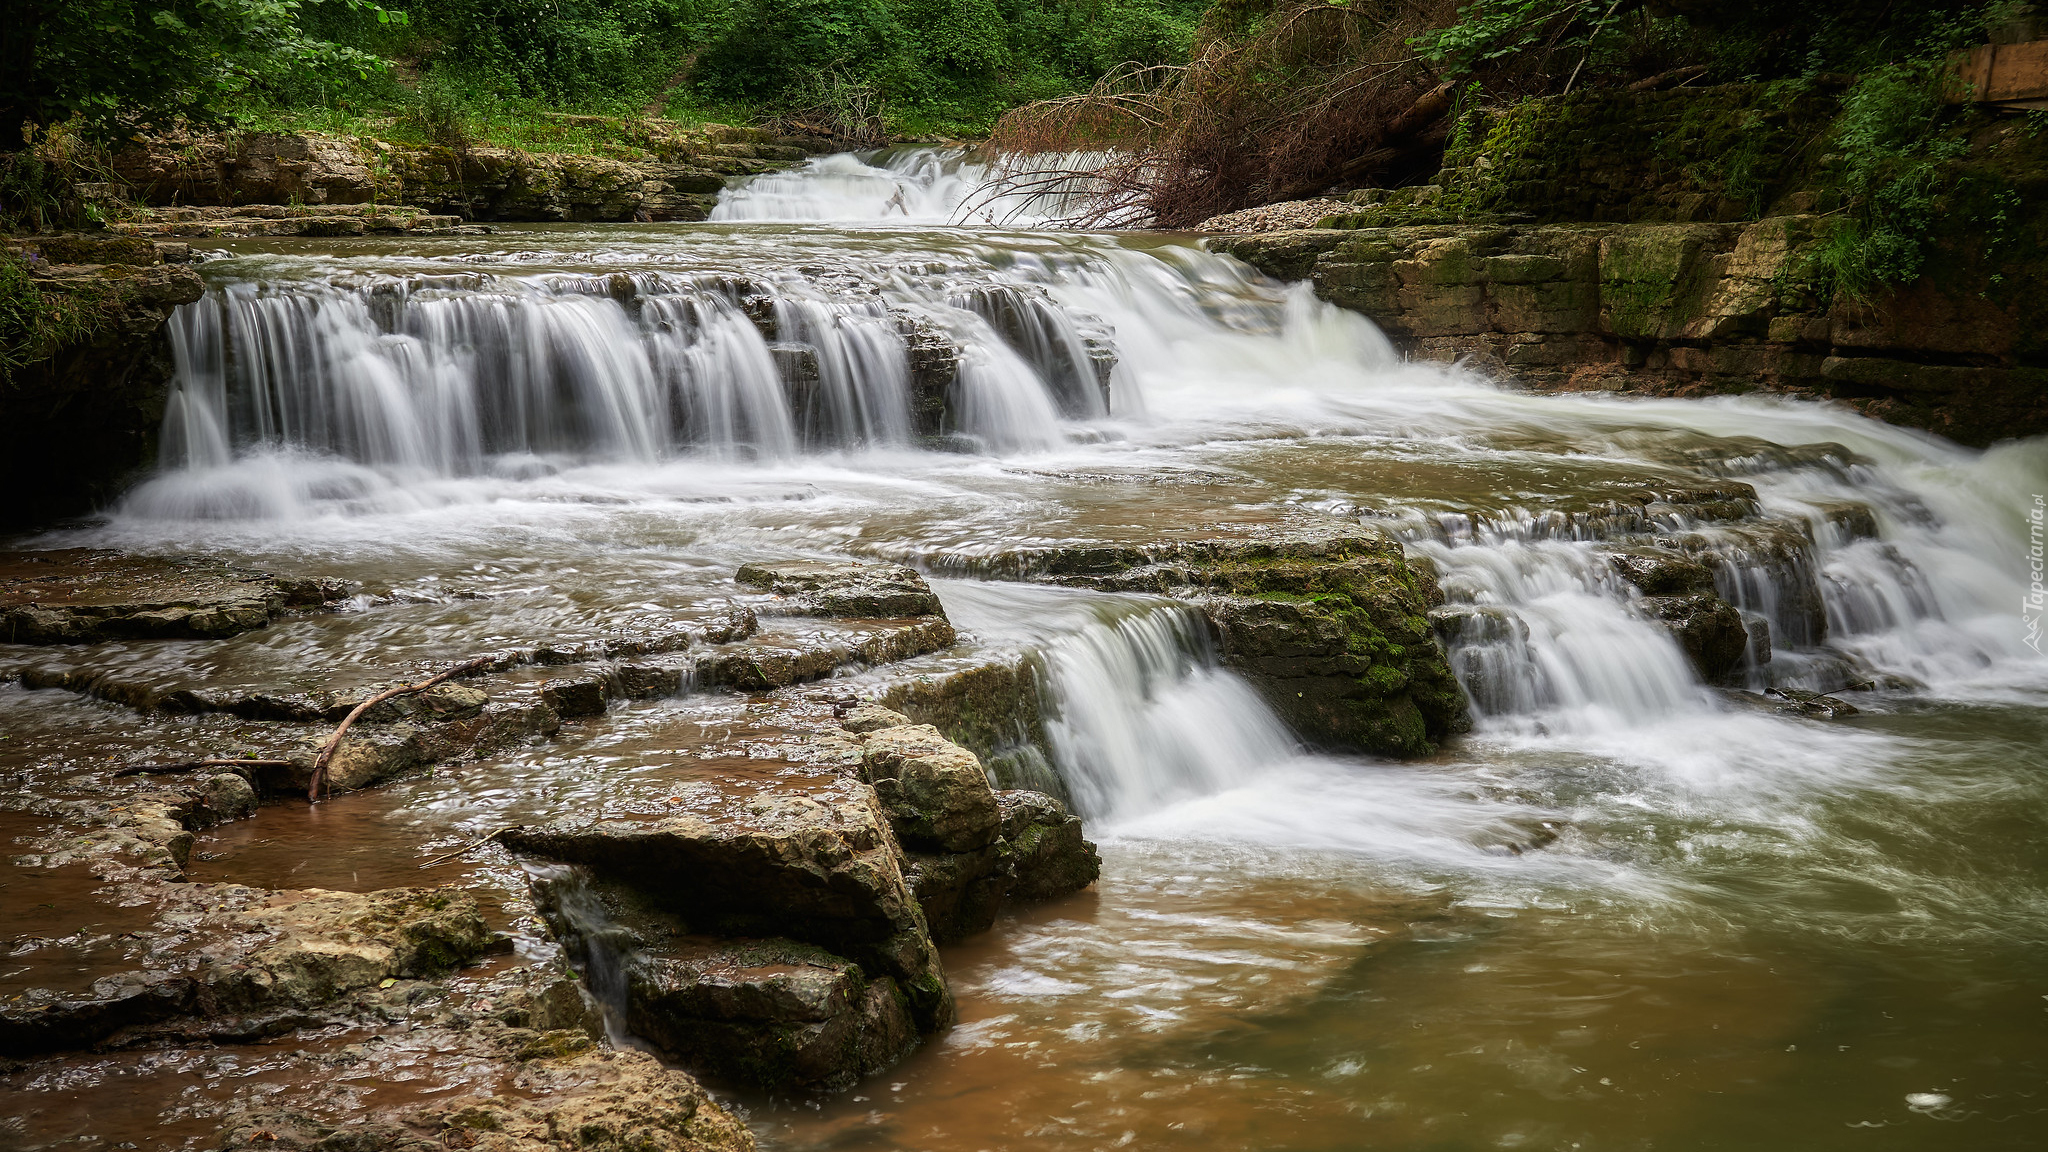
(910, 186)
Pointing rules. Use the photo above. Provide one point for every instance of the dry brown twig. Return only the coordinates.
(467, 848)
(333, 741)
(196, 765)
(328, 746)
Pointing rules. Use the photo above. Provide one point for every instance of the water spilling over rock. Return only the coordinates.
(1079, 675)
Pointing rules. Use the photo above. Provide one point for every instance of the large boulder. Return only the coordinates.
(820, 868)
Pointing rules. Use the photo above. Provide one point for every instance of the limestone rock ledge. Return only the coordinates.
(1680, 309)
(231, 961)
(1331, 626)
(787, 940)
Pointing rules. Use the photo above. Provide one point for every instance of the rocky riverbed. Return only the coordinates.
(919, 688)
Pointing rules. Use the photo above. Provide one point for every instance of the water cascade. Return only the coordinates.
(1589, 921)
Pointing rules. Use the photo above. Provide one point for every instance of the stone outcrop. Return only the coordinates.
(1331, 626)
(593, 1100)
(843, 588)
(186, 222)
(1048, 856)
(553, 1085)
(663, 172)
(1684, 242)
(991, 708)
(934, 790)
(787, 940)
(234, 961)
(819, 868)
(967, 847)
(1677, 309)
(772, 1013)
(1678, 592)
(77, 423)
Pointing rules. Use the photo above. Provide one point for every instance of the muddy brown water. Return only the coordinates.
(1752, 930)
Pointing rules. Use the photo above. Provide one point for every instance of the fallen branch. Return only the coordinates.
(333, 741)
(476, 843)
(1666, 79)
(196, 765)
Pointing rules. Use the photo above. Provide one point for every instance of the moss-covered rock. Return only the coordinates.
(1334, 633)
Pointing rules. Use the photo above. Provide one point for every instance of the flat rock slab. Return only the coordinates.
(83, 596)
(844, 588)
(230, 960)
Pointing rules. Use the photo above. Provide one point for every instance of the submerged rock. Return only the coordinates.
(1803, 703)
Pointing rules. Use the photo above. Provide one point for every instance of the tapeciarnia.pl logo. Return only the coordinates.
(2036, 602)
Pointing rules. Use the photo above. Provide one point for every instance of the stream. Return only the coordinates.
(1627, 911)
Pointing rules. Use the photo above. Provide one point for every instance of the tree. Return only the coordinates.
(117, 63)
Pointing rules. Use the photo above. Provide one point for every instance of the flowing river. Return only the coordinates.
(1627, 911)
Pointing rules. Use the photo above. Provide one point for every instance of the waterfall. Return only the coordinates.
(600, 946)
(905, 186)
(909, 186)
(1142, 716)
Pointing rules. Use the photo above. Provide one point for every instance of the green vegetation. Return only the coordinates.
(34, 323)
(492, 69)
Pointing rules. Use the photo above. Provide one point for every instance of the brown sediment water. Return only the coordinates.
(1629, 911)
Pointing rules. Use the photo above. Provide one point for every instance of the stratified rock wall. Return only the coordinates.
(677, 174)
(77, 423)
(1679, 309)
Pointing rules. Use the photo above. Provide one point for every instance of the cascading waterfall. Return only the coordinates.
(1847, 572)
(1144, 717)
(420, 377)
(910, 186)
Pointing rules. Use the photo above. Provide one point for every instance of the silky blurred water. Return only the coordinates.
(1628, 911)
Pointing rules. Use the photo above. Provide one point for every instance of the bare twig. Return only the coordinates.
(473, 844)
(1589, 47)
(197, 765)
(333, 741)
